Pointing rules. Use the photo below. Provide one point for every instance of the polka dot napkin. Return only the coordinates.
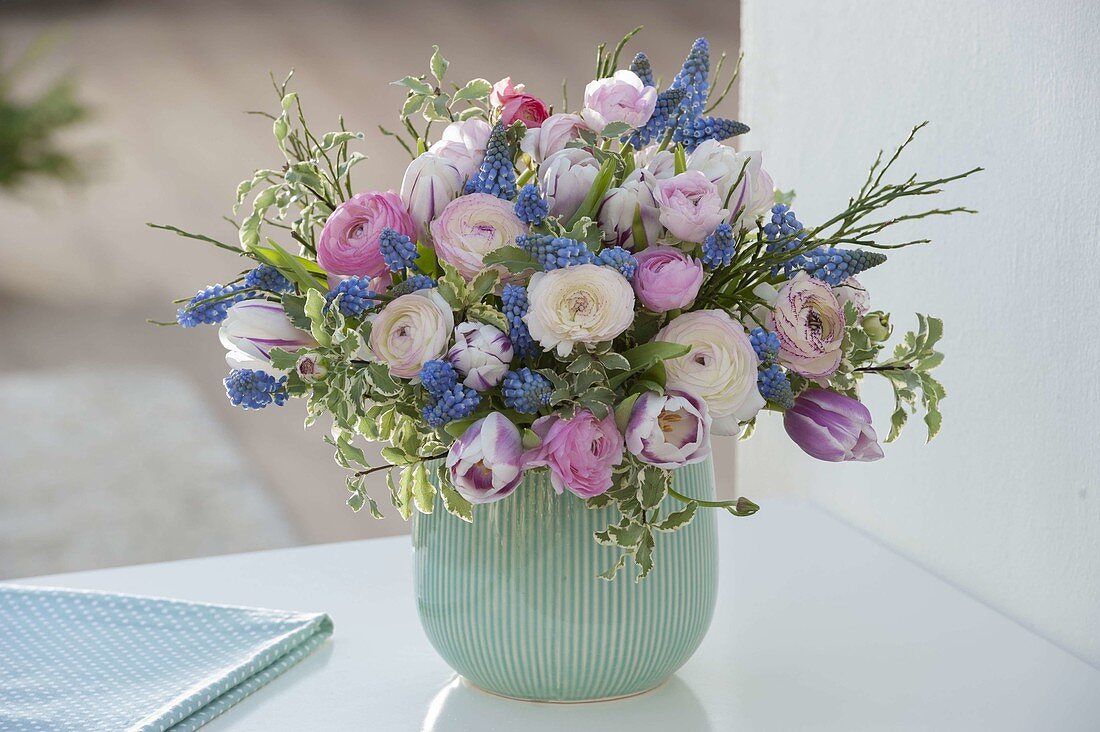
(89, 661)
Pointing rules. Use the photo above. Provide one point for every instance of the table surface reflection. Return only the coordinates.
(817, 627)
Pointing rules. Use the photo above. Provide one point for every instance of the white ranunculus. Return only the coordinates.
(430, 183)
(582, 304)
(721, 164)
(411, 330)
(721, 366)
(463, 144)
(557, 131)
(567, 176)
(616, 213)
(481, 353)
(252, 328)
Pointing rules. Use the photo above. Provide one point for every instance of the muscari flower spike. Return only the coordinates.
(554, 252)
(252, 389)
(414, 283)
(692, 131)
(438, 377)
(775, 386)
(526, 391)
(784, 232)
(833, 266)
(355, 296)
(531, 207)
(456, 403)
(497, 175)
(398, 250)
(665, 113)
(266, 277)
(641, 66)
(514, 306)
(718, 247)
(200, 309)
(692, 78)
(618, 259)
(765, 344)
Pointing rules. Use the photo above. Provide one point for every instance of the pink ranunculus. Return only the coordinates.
(810, 325)
(666, 278)
(691, 205)
(463, 144)
(485, 464)
(580, 452)
(504, 90)
(472, 226)
(832, 427)
(524, 108)
(349, 244)
(555, 132)
(619, 98)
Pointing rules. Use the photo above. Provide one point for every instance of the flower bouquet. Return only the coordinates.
(577, 300)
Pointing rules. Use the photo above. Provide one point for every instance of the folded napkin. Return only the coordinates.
(73, 660)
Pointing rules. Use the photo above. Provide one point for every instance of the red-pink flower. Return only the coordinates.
(503, 90)
(349, 244)
(580, 452)
(515, 106)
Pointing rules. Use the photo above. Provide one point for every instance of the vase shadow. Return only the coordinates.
(459, 706)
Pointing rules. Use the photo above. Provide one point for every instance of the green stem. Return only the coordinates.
(705, 504)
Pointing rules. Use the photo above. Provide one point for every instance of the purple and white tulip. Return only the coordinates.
(567, 177)
(670, 430)
(486, 463)
(481, 353)
(832, 427)
(430, 183)
(252, 328)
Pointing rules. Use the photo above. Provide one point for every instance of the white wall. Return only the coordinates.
(1005, 503)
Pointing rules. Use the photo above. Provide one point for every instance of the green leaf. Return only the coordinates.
(609, 573)
(647, 355)
(413, 104)
(474, 90)
(455, 504)
(315, 307)
(283, 360)
(614, 362)
(439, 65)
(512, 258)
(643, 556)
(484, 313)
(295, 307)
(289, 265)
(414, 84)
(422, 490)
(653, 487)
(197, 237)
(615, 129)
(483, 284)
(627, 536)
(678, 519)
(596, 192)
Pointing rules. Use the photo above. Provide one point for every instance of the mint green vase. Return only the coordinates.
(512, 602)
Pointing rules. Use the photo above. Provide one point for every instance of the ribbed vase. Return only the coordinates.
(512, 602)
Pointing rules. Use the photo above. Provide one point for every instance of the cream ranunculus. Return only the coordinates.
(721, 366)
(582, 304)
(410, 330)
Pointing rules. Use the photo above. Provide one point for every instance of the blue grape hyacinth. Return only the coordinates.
(438, 377)
(398, 250)
(497, 175)
(693, 131)
(618, 259)
(252, 389)
(833, 266)
(514, 306)
(210, 305)
(692, 78)
(526, 391)
(531, 207)
(414, 283)
(554, 252)
(718, 247)
(765, 344)
(785, 233)
(456, 403)
(775, 386)
(266, 277)
(355, 295)
(641, 66)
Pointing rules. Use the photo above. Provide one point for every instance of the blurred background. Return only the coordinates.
(117, 444)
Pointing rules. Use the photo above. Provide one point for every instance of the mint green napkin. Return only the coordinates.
(89, 661)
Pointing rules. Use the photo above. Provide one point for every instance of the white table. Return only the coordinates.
(818, 628)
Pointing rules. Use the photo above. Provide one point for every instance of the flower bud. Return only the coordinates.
(481, 353)
(877, 326)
